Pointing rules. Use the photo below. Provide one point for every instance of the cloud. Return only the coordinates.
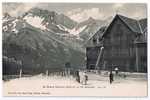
(118, 5)
(17, 9)
(131, 10)
(80, 14)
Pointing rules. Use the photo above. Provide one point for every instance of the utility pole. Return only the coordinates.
(46, 72)
(137, 59)
(20, 72)
(99, 56)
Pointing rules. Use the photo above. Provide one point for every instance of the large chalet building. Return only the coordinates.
(125, 46)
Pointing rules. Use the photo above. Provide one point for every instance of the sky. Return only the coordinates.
(82, 11)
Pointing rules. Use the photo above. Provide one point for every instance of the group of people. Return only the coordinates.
(111, 76)
(82, 77)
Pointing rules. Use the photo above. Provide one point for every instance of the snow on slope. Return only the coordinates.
(14, 29)
(73, 31)
(11, 26)
(35, 21)
(6, 17)
(62, 27)
(77, 31)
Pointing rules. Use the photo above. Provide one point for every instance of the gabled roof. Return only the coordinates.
(143, 23)
(136, 26)
(99, 32)
(131, 23)
(142, 38)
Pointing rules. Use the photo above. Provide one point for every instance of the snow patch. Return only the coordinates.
(14, 26)
(15, 23)
(5, 28)
(77, 31)
(73, 31)
(35, 21)
(62, 27)
(14, 30)
(5, 19)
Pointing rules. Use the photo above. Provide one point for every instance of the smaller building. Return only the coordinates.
(93, 50)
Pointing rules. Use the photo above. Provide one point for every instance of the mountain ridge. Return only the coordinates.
(41, 39)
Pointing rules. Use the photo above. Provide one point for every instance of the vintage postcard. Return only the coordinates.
(74, 49)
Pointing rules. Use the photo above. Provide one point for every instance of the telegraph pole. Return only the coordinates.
(99, 56)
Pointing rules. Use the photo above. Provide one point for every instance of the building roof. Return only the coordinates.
(99, 32)
(133, 24)
(136, 26)
(143, 23)
(142, 38)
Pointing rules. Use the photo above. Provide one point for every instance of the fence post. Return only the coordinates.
(46, 72)
(20, 73)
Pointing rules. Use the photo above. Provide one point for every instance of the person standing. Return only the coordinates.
(85, 78)
(77, 76)
(111, 77)
(116, 70)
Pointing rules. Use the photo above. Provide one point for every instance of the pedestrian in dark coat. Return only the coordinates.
(77, 76)
(111, 76)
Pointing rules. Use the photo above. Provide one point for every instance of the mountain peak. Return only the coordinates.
(91, 18)
(35, 9)
(40, 12)
(6, 15)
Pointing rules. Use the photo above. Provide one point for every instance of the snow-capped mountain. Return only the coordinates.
(49, 20)
(12, 25)
(36, 46)
(65, 31)
(6, 17)
(45, 38)
(57, 23)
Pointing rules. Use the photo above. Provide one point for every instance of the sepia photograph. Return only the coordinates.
(74, 49)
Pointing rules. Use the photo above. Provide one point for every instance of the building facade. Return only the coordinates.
(125, 45)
